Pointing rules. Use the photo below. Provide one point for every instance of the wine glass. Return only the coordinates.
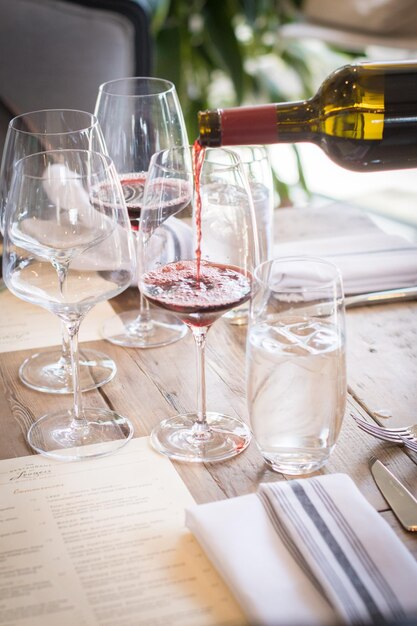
(140, 116)
(54, 129)
(67, 246)
(201, 281)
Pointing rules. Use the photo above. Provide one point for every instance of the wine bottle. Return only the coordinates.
(364, 117)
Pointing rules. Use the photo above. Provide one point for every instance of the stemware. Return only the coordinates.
(50, 371)
(201, 280)
(67, 246)
(140, 116)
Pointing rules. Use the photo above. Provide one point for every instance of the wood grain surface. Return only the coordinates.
(154, 384)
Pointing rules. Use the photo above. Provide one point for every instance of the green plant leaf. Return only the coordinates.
(282, 190)
(200, 43)
(193, 107)
(222, 43)
(296, 59)
(159, 10)
(168, 57)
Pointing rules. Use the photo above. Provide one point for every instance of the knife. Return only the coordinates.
(402, 502)
(381, 297)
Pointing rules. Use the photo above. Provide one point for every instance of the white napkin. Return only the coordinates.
(325, 556)
(369, 262)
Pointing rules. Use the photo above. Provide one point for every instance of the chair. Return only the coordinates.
(56, 53)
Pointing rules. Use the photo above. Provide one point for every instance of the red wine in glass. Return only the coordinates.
(198, 154)
(200, 283)
(174, 196)
(133, 185)
(198, 296)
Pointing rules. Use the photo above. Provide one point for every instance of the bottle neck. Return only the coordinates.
(284, 122)
(297, 121)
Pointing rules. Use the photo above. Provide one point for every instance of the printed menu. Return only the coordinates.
(102, 542)
(24, 326)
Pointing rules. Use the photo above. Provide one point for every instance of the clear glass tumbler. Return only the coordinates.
(258, 171)
(296, 373)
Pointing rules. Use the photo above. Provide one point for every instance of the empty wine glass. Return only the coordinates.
(50, 371)
(140, 116)
(67, 246)
(201, 280)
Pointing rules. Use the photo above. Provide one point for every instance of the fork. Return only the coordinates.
(411, 444)
(406, 435)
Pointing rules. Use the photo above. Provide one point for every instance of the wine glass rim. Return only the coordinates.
(258, 151)
(335, 279)
(93, 118)
(104, 159)
(104, 87)
(230, 151)
(223, 166)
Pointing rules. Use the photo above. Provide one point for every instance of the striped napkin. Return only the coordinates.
(308, 551)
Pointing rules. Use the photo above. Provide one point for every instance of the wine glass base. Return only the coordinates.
(58, 436)
(49, 372)
(180, 439)
(162, 329)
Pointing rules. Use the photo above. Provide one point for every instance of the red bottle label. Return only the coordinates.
(249, 125)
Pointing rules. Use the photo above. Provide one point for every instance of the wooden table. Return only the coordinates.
(154, 384)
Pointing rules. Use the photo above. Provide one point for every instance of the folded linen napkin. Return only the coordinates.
(308, 552)
(370, 262)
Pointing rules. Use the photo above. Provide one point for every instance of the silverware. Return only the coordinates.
(373, 297)
(402, 502)
(381, 297)
(410, 444)
(406, 435)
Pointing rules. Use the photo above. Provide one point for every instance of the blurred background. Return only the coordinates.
(55, 53)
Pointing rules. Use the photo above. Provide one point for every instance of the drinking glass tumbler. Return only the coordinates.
(296, 369)
(258, 171)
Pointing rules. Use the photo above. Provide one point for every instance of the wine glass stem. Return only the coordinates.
(142, 324)
(144, 321)
(199, 334)
(78, 414)
(66, 348)
(144, 308)
(65, 359)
